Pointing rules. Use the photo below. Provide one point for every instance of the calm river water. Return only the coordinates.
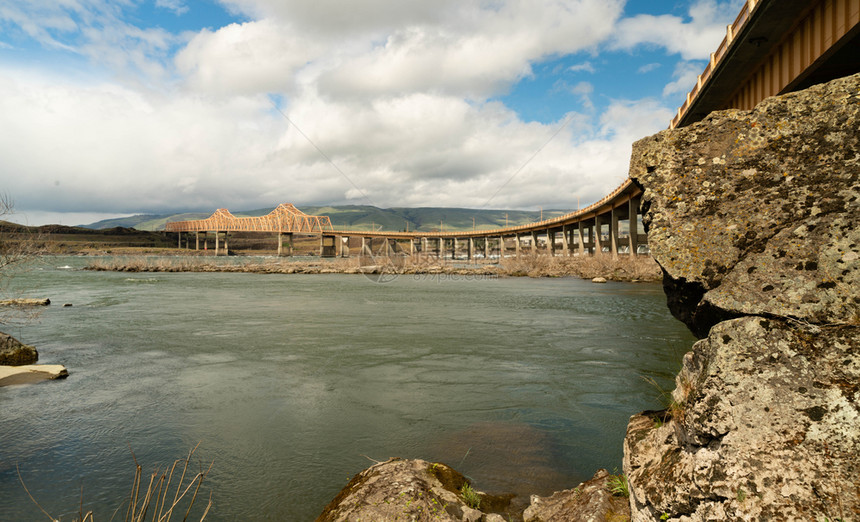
(291, 383)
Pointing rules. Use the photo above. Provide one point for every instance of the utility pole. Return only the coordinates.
(506, 219)
(473, 223)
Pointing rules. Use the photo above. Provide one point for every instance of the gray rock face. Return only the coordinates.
(591, 501)
(14, 353)
(756, 212)
(765, 425)
(753, 217)
(408, 490)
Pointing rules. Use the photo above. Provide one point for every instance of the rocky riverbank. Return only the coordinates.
(621, 268)
(752, 216)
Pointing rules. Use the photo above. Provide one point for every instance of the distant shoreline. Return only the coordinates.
(621, 268)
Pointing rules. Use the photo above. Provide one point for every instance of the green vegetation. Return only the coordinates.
(617, 485)
(674, 409)
(471, 497)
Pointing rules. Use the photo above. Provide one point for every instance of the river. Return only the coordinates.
(291, 384)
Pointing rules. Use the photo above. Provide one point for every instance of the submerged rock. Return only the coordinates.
(15, 353)
(756, 212)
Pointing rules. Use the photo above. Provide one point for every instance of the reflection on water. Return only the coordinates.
(291, 382)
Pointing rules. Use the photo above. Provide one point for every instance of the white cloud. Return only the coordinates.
(685, 74)
(396, 99)
(584, 91)
(470, 49)
(695, 39)
(584, 66)
(248, 58)
(648, 67)
(177, 6)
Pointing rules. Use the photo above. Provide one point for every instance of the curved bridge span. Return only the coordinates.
(610, 225)
(772, 47)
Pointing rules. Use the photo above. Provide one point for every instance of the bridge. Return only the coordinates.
(772, 47)
(594, 229)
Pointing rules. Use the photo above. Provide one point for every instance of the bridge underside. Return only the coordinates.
(611, 226)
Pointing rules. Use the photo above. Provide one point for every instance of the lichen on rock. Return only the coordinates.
(755, 212)
(767, 426)
(590, 501)
(753, 217)
(399, 489)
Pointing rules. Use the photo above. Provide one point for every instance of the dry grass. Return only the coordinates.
(155, 503)
(620, 268)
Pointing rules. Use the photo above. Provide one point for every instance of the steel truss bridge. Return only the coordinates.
(772, 47)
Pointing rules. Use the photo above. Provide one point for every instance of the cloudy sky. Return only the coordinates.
(119, 107)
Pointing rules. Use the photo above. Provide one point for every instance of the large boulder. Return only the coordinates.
(417, 490)
(15, 353)
(756, 212)
(753, 217)
(765, 425)
(591, 501)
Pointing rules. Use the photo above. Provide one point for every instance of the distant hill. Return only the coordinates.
(363, 217)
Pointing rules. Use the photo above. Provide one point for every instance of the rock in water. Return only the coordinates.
(756, 212)
(753, 217)
(403, 490)
(30, 373)
(14, 353)
(24, 301)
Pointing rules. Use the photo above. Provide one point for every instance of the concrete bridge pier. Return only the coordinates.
(217, 244)
(565, 243)
(289, 249)
(613, 233)
(330, 245)
(197, 241)
(550, 242)
(517, 244)
(633, 212)
(471, 246)
(486, 248)
(598, 235)
(580, 238)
